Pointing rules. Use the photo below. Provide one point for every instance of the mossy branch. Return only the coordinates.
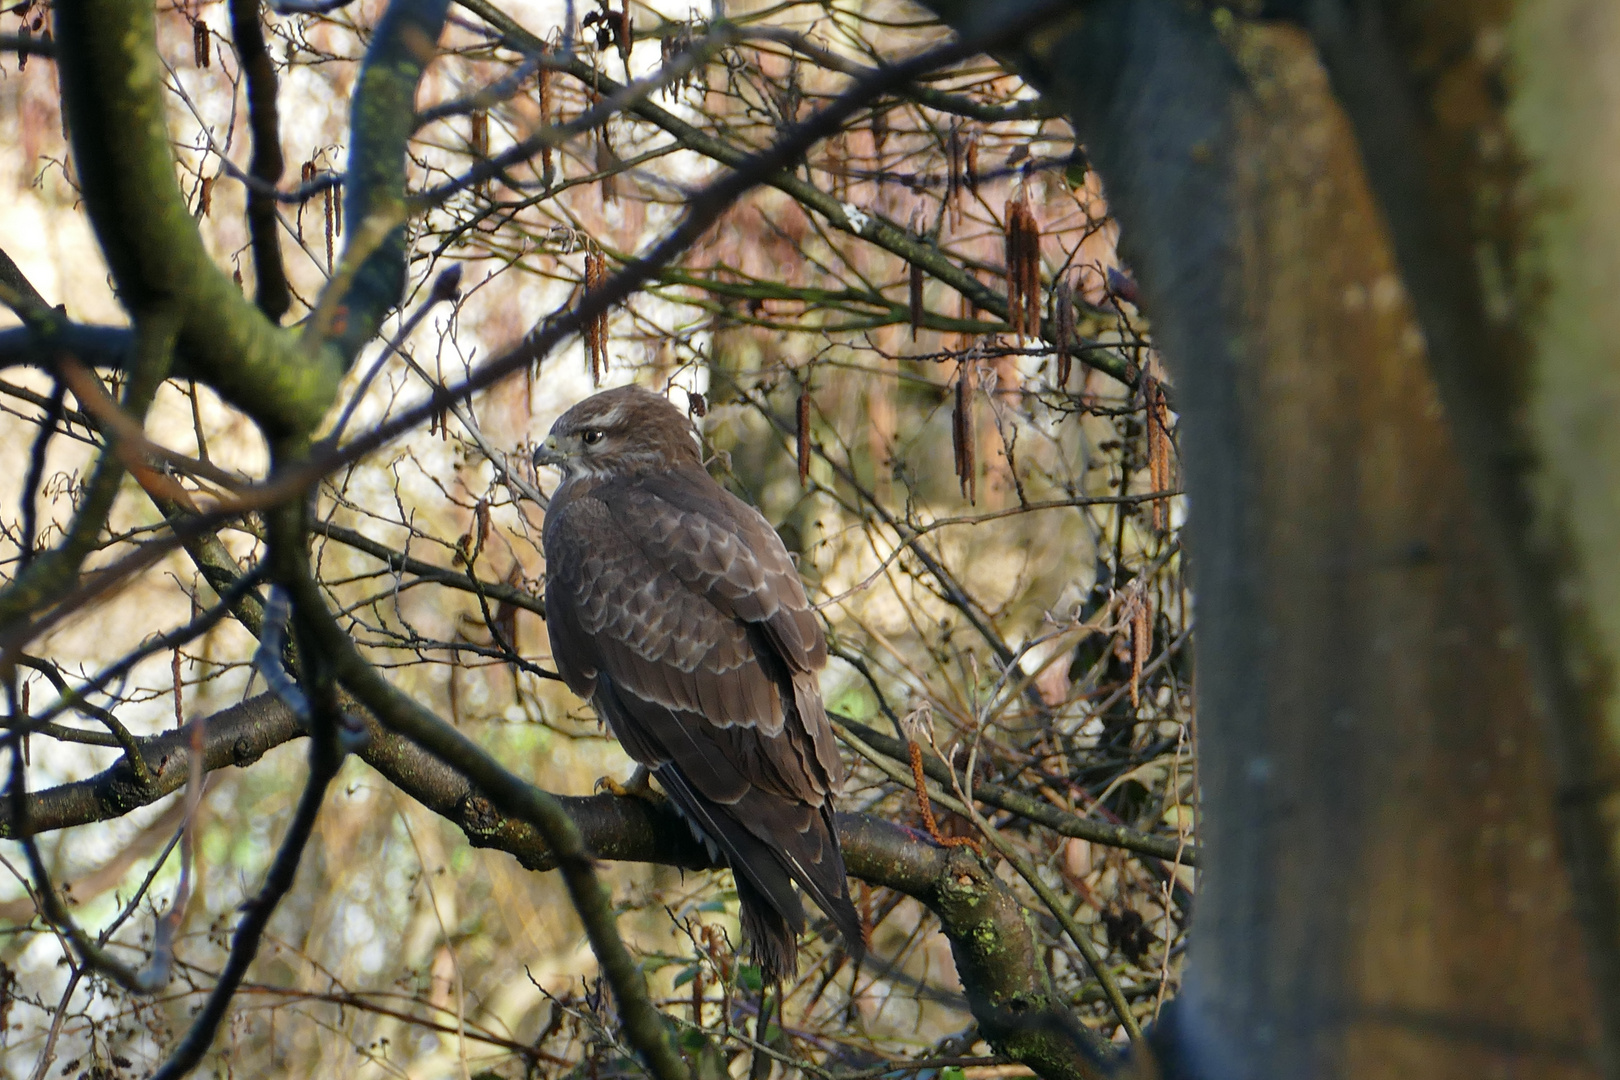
(112, 84)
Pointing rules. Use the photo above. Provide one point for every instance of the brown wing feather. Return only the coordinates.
(674, 607)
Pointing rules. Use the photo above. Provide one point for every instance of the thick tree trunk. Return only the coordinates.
(1401, 458)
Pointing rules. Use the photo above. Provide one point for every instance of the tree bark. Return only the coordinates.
(1399, 877)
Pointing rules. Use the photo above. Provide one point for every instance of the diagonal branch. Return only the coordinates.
(112, 83)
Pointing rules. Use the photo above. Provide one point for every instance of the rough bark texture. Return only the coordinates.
(1389, 829)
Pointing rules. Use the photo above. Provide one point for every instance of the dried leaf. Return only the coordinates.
(205, 196)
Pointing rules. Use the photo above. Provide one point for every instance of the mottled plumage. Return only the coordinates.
(674, 608)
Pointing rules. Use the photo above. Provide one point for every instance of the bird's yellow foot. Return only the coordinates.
(639, 786)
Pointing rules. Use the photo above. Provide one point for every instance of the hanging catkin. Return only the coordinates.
(596, 329)
(1023, 267)
(915, 298)
(543, 99)
(804, 437)
(1158, 440)
(478, 144)
(953, 178)
(200, 43)
(1140, 605)
(330, 221)
(1063, 322)
(964, 441)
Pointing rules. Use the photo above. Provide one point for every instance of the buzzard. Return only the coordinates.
(674, 608)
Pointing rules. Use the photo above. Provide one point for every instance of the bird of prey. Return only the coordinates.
(673, 607)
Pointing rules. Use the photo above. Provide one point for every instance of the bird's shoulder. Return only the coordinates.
(710, 535)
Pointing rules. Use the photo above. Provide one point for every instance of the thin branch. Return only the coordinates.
(324, 761)
(270, 275)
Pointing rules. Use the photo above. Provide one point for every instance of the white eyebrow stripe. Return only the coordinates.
(609, 418)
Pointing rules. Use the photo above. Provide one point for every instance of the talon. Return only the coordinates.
(639, 786)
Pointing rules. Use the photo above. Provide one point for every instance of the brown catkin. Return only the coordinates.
(1063, 321)
(306, 173)
(970, 163)
(1158, 437)
(478, 142)
(329, 223)
(916, 299)
(953, 178)
(964, 440)
(596, 330)
(1141, 605)
(624, 32)
(1023, 268)
(837, 170)
(205, 196)
(200, 43)
(543, 98)
(804, 437)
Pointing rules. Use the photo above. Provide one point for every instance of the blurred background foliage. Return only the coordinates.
(969, 507)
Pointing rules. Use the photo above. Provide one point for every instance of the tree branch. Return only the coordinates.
(247, 31)
(874, 228)
(112, 85)
(997, 952)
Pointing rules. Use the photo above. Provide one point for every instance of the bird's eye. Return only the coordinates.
(590, 436)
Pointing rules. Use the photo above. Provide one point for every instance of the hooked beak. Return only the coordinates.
(548, 453)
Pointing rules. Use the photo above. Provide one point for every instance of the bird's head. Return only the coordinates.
(619, 432)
